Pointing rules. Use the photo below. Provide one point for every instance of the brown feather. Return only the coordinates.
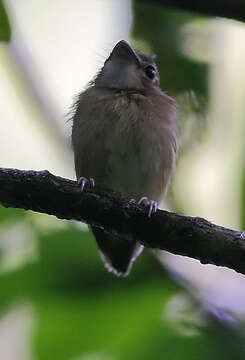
(124, 136)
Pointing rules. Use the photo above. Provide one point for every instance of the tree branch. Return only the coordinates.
(234, 9)
(183, 235)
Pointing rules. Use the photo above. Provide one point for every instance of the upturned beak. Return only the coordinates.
(123, 51)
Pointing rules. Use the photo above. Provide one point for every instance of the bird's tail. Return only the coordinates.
(117, 252)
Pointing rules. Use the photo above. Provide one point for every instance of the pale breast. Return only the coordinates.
(126, 144)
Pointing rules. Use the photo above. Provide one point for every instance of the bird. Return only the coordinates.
(124, 137)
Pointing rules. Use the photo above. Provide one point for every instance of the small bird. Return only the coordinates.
(124, 138)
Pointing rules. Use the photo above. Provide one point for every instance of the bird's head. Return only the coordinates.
(127, 69)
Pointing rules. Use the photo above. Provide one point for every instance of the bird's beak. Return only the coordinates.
(123, 51)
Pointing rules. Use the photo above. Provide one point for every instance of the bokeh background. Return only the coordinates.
(56, 299)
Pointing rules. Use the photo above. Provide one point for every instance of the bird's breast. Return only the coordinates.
(139, 148)
(125, 142)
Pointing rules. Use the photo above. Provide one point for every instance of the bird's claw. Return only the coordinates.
(84, 181)
(152, 204)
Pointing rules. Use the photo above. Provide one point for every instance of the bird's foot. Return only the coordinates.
(152, 204)
(86, 182)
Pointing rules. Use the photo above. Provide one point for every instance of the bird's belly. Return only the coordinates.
(136, 168)
(130, 154)
(124, 173)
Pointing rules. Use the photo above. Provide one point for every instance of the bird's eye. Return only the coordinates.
(150, 72)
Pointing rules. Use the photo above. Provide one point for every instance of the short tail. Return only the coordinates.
(117, 252)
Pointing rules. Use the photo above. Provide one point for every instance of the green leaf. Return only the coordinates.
(5, 30)
(83, 312)
(112, 321)
(10, 214)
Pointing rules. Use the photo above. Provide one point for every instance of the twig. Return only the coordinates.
(183, 235)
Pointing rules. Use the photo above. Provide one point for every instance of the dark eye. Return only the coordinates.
(150, 72)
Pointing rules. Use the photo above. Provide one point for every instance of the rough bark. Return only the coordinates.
(184, 235)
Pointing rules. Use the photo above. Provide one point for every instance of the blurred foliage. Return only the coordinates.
(80, 309)
(5, 31)
(11, 214)
(161, 29)
(158, 30)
